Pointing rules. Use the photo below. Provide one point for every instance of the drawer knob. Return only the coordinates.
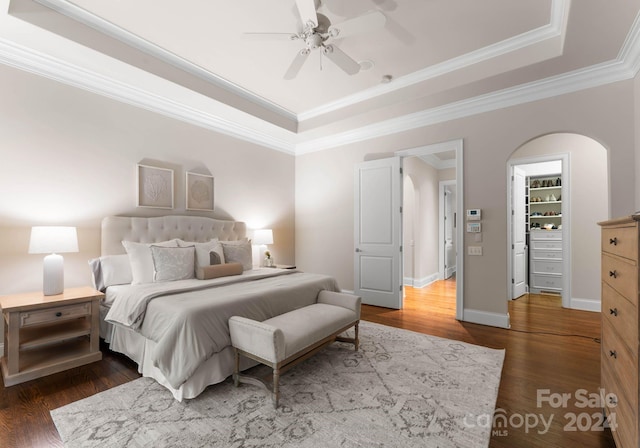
(613, 274)
(613, 354)
(613, 241)
(58, 314)
(613, 311)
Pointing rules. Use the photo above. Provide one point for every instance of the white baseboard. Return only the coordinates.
(585, 304)
(422, 282)
(486, 318)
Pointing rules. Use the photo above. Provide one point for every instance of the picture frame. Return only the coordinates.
(155, 187)
(199, 191)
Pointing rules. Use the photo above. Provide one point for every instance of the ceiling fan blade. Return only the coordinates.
(370, 21)
(297, 64)
(341, 59)
(269, 36)
(307, 11)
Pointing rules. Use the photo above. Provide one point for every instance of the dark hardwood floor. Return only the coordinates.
(547, 348)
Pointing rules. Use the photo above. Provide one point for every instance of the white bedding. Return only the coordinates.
(185, 323)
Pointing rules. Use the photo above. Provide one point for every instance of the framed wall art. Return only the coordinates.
(199, 191)
(155, 187)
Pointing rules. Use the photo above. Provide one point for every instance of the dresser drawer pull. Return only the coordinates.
(613, 241)
(58, 314)
(613, 311)
(613, 354)
(613, 274)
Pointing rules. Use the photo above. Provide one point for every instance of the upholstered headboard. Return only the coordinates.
(115, 229)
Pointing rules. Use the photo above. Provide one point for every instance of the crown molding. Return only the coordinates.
(555, 28)
(85, 17)
(41, 64)
(626, 66)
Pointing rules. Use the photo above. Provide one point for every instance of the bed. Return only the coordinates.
(175, 328)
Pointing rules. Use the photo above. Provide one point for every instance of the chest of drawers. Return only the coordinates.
(619, 357)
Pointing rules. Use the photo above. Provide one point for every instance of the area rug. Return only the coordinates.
(402, 389)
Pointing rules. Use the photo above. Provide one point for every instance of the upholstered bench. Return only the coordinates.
(285, 340)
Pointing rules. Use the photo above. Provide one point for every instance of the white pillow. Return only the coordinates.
(141, 260)
(110, 270)
(238, 252)
(203, 251)
(172, 263)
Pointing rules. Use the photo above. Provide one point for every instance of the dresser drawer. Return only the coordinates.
(621, 275)
(546, 282)
(546, 267)
(621, 241)
(49, 315)
(622, 316)
(545, 235)
(541, 254)
(620, 361)
(622, 414)
(546, 244)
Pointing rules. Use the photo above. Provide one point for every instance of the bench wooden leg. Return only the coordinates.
(356, 343)
(276, 387)
(236, 369)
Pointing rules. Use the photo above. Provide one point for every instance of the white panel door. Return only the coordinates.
(519, 244)
(378, 232)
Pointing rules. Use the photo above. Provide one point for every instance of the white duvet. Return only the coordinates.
(188, 319)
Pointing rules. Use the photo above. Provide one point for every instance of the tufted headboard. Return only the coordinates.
(115, 229)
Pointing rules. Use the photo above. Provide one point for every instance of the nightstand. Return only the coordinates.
(48, 334)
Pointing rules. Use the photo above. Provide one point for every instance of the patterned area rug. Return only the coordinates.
(402, 389)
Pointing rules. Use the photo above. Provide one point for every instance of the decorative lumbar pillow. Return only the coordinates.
(173, 263)
(110, 270)
(219, 270)
(238, 252)
(141, 260)
(203, 251)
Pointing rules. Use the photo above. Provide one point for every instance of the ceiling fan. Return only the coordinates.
(318, 33)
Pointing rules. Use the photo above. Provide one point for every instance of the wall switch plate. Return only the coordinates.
(474, 250)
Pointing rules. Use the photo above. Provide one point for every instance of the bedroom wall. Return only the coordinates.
(68, 157)
(324, 223)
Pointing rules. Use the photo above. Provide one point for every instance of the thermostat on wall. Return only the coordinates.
(474, 227)
(474, 214)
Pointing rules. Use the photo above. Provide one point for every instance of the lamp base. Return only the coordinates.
(53, 275)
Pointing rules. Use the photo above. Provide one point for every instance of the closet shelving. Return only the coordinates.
(544, 202)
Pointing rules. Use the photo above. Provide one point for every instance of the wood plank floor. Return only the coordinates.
(537, 358)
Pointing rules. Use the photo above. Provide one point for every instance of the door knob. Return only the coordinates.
(358, 249)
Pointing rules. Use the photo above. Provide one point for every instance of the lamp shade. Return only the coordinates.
(262, 236)
(53, 239)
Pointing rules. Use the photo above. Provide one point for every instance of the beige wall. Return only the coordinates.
(324, 221)
(69, 157)
(589, 203)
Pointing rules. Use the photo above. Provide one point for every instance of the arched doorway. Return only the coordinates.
(584, 202)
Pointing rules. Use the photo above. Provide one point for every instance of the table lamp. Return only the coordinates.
(53, 240)
(262, 237)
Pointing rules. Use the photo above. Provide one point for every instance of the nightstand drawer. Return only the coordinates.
(50, 315)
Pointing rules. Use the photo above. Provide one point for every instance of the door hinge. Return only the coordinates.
(513, 246)
(401, 170)
(512, 281)
(400, 248)
(401, 209)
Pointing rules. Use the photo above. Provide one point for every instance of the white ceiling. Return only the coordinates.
(441, 55)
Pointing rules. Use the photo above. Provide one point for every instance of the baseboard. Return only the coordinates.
(585, 304)
(422, 282)
(486, 318)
